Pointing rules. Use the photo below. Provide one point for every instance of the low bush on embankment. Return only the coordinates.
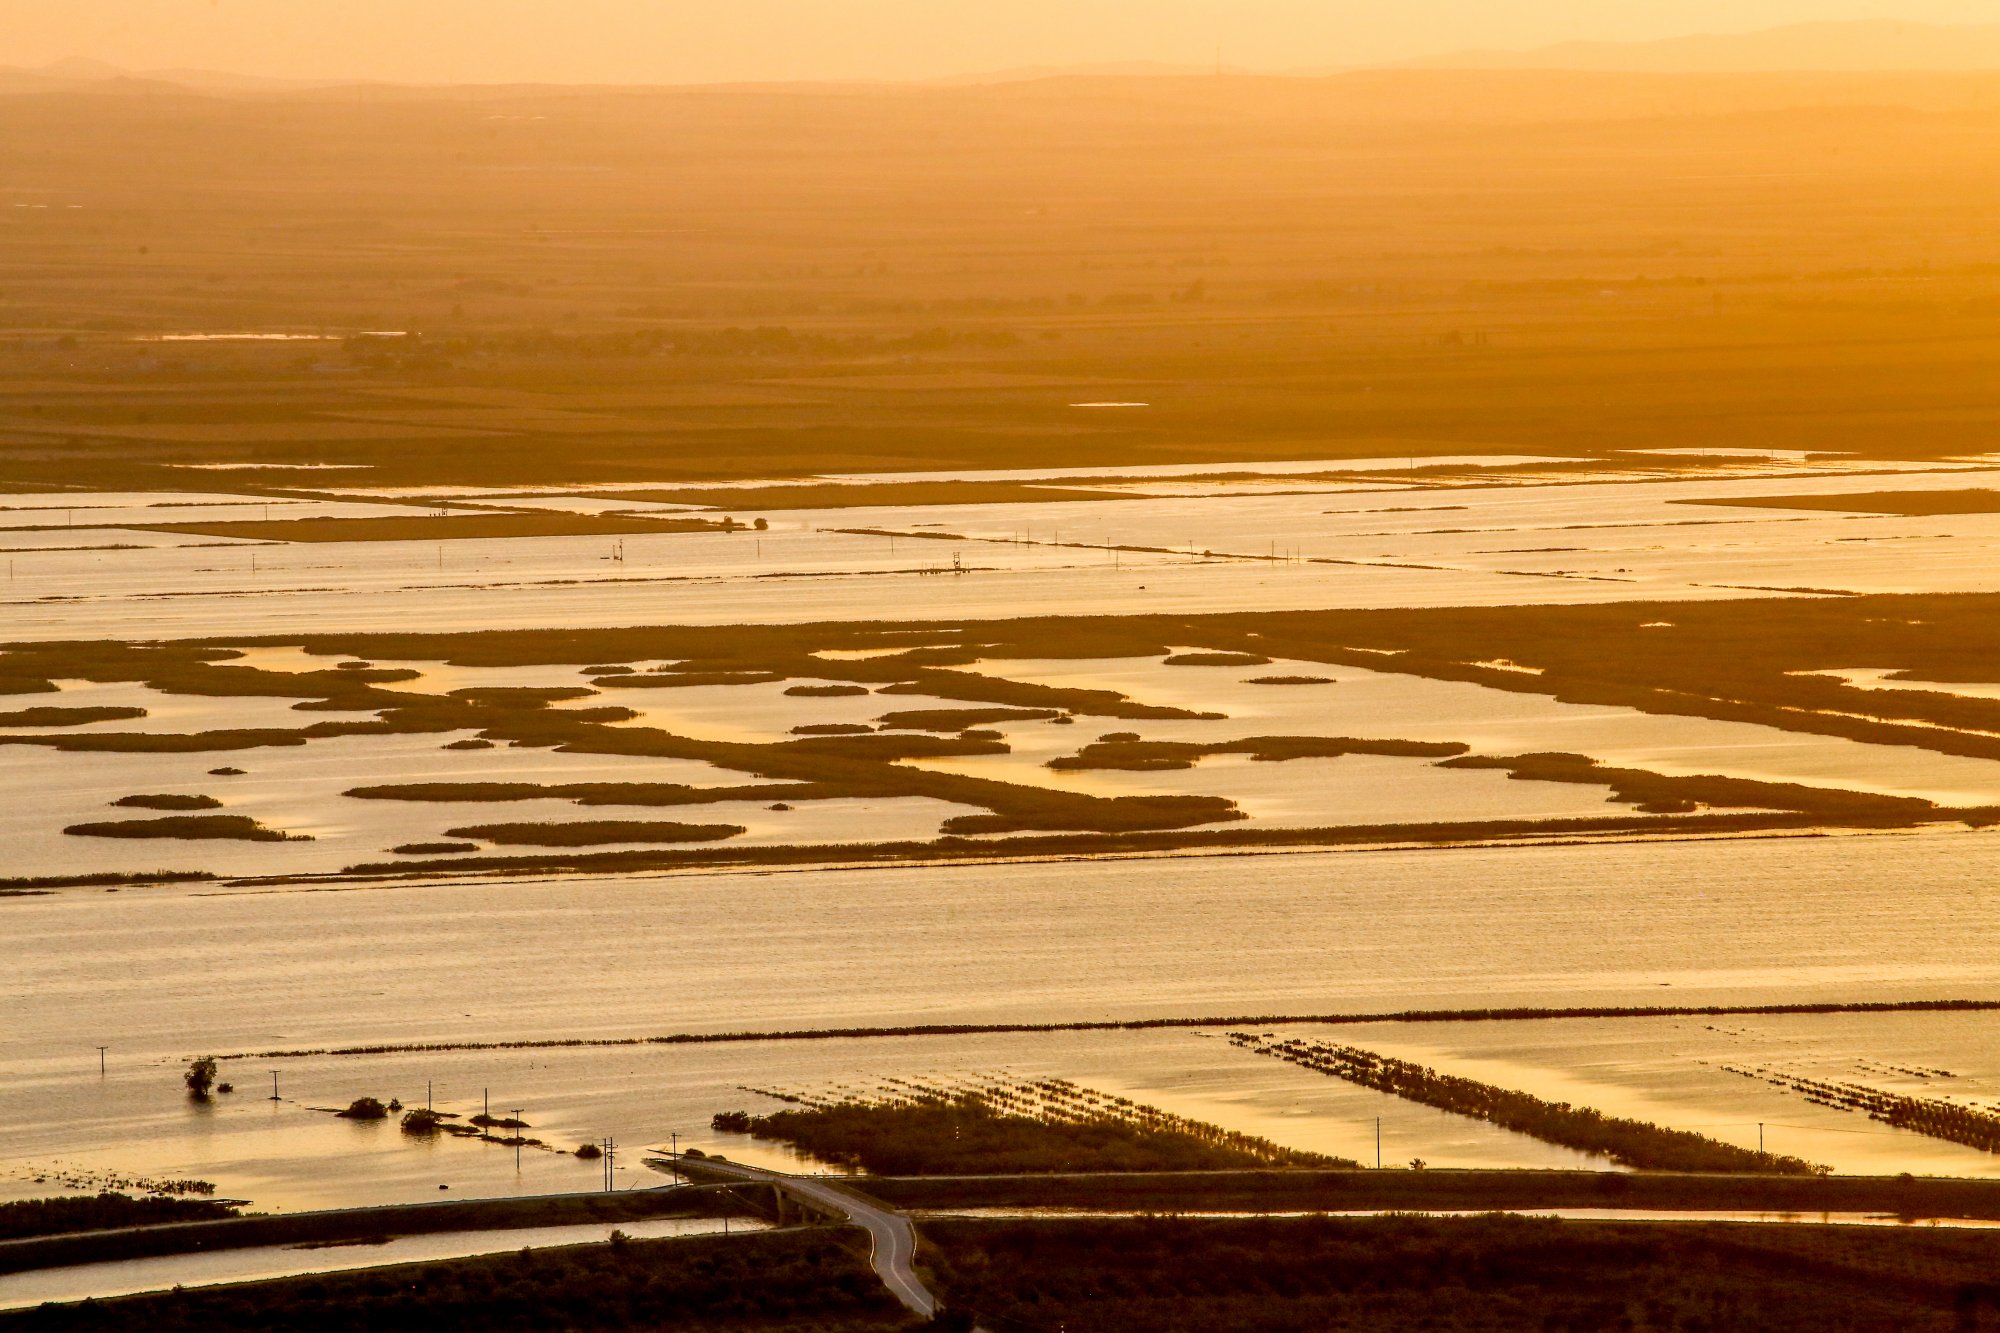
(975, 1134)
(55, 1217)
(782, 1280)
(235, 1233)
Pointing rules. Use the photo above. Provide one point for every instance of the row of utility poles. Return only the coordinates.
(608, 1147)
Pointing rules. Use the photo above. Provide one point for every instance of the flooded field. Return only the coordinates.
(89, 567)
(165, 974)
(348, 764)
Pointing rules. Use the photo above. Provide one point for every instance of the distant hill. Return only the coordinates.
(1863, 46)
(1126, 69)
(79, 75)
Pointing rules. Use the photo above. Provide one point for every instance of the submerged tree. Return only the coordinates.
(200, 1077)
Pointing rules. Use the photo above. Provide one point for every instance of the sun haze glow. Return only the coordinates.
(646, 41)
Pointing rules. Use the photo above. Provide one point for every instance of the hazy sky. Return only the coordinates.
(702, 40)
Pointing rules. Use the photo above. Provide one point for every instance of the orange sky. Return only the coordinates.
(710, 40)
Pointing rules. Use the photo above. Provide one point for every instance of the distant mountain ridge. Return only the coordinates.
(1862, 46)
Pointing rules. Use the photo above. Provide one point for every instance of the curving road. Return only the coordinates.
(892, 1250)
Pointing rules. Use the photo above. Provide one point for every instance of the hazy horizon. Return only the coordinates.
(631, 41)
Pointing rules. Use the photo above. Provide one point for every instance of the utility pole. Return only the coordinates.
(100, 1060)
(1760, 1137)
(516, 1114)
(274, 1086)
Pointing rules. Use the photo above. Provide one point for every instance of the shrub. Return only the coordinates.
(422, 1121)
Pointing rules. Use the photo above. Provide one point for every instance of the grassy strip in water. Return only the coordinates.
(1906, 504)
(959, 719)
(1217, 660)
(1633, 1143)
(168, 801)
(590, 793)
(688, 679)
(1142, 756)
(68, 717)
(230, 828)
(976, 1133)
(1655, 794)
(972, 686)
(429, 528)
(106, 879)
(595, 832)
(838, 495)
(54, 1217)
(1484, 1274)
(1508, 1015)
(168, 742)
(1153, 826)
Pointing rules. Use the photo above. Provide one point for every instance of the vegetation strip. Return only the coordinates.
(1932, 1117)
(1147, 1024)
(1633, 1143)
(1043, 1125)
(1443, 1189)
(24, 1218)
(815, 1279)
(348, 1224)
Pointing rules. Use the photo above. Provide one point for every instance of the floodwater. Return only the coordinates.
(131, 1277)
(298, 789)
(163, 975)
(1485, 538)
(1390, 705)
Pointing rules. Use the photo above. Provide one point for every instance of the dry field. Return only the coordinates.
(680, 286)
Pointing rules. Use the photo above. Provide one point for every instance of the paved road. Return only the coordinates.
(892, 1239)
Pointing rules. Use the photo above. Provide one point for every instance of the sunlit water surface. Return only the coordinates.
(161, 975)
